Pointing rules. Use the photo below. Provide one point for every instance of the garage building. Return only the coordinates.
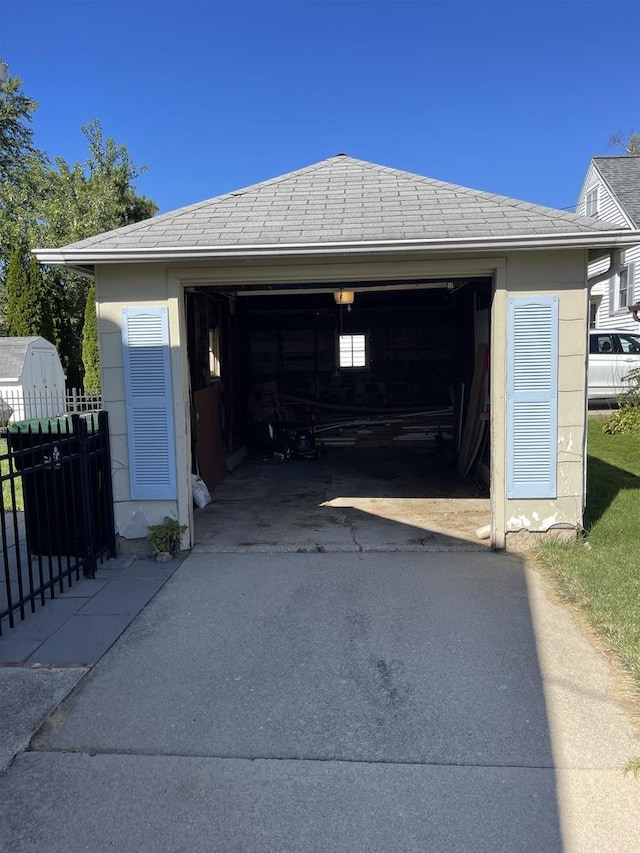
(355, 306)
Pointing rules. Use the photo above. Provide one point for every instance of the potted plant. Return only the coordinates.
(165, 539)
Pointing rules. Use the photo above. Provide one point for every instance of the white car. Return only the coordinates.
(612, 355)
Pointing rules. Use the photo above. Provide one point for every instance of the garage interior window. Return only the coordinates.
(352, 351)
(214, 354)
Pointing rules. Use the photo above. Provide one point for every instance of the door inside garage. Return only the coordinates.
(359, 414)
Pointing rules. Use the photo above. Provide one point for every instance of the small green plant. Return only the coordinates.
(165, 537)
(626, 420)
(632, 766)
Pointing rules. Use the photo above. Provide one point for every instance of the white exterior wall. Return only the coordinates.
(608, 207)
(607, 317)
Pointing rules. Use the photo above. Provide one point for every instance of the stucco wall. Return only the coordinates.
(118, 287)
(561, 274)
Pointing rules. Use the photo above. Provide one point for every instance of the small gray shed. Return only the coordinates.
(32, 381)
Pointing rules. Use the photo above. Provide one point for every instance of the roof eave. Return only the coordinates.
(82, 259)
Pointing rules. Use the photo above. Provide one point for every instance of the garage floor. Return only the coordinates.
(355, 499)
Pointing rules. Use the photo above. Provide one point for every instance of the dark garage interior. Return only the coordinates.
(334, 373)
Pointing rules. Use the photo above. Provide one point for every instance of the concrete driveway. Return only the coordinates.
(356, 499)
(336, 702)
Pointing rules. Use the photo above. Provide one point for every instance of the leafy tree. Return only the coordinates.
(90, 351)
(95, 195)
(49, 204)
(81, 200)
(22, 170)
(16, 133)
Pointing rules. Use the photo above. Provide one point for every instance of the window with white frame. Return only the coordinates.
(352, 350)
(623, 288)
(591, 202)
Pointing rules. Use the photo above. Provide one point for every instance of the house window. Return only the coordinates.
(594, 304)
(591, 202)
(624, 296)
(352, 351)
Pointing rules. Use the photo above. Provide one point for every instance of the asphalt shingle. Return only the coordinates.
(343, 198)
(13, 352)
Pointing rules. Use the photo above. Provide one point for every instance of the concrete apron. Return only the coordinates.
(352, 500)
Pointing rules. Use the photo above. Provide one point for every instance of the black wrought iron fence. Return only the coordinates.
(56, 513)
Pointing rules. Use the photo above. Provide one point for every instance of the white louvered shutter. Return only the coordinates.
(147, 379)
(612, 295)
(631, 278)
(532, 397)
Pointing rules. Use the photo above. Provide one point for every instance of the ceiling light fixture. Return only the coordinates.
(344, 297)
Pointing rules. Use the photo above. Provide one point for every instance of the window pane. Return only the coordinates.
(352, 351)
(623, 287)
(630, 343)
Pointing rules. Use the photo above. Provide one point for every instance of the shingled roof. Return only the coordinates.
(13, 352)
(335, 202)
(622, 174)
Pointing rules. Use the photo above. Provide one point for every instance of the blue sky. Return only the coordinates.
(507, 96)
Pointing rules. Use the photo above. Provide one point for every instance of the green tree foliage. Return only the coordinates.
(49, 204)
(16, 285)
(22, 171)
(95, 195)
(16, 133)
(90, 351)
(28, 309)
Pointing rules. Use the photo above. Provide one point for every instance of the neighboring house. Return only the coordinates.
(199, 306)
(32, 381)
(611, 192)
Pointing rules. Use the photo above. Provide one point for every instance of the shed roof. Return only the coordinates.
(13, 352)
(336, 202)
(622, 174)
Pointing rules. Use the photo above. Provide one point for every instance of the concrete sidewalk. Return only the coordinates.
(44, 656)
(336, 702)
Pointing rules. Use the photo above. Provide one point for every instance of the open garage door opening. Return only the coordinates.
(360, 412)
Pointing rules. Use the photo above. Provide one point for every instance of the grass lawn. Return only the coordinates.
(603, 579)
(7, 497)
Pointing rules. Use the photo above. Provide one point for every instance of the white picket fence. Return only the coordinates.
(20, 405)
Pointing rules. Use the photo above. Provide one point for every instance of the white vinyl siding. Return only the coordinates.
(619, 292)
(532, 397)
(607, 206)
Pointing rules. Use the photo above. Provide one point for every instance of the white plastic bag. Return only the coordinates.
(201, 494)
